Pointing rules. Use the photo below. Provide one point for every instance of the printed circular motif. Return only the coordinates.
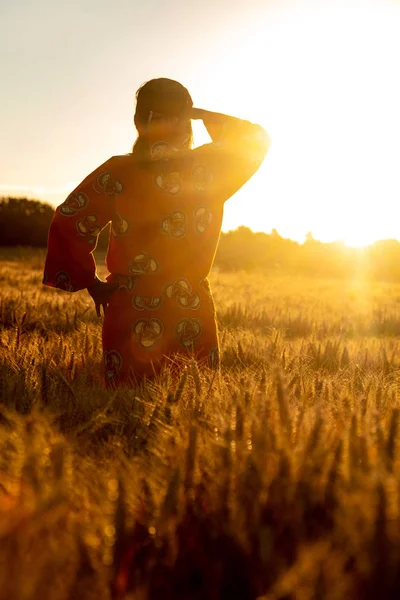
(159, 150)
(119, 226)
(112, 363)
(181, 290)
(201, 178)
(63, 281)
(202, 218)
(73, 204)
(188, 331)
(107, 184)
(88, 225)
(180, 287)
(175, 224)
(146, 303)
(126, 282)
(171, 183)
(148, 331)
(143, 264)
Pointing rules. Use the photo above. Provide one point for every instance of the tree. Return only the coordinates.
(24, 222)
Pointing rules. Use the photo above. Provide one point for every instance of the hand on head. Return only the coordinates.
(197, 113)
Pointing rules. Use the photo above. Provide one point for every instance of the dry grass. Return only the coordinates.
(277, 479)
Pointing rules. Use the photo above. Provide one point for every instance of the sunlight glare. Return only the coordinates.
(325, 86)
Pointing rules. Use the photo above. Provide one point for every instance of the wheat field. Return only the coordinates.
(276, 478)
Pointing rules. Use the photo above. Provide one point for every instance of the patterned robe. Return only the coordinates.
(166, 218)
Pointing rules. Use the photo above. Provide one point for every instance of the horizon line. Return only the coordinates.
(68, 188)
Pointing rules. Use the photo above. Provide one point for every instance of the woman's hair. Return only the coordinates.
(158, 99)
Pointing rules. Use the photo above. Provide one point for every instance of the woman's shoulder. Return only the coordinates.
(122, 159)
(121, 163)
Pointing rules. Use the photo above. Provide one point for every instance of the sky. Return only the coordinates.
(322, 77)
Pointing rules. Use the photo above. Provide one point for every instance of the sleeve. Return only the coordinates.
(237, 151)
(75, 227)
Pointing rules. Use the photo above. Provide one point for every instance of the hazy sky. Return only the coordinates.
(322, 77)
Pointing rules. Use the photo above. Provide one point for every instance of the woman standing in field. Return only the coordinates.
(165, 202)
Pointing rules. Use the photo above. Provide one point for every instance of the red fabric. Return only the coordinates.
(166, 219)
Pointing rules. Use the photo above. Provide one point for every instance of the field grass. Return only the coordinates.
(277, 478)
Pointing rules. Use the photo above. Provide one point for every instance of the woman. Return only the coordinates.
(165, 202)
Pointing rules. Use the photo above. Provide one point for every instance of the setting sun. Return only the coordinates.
(200, 299)
(321, 77)
(323, 81)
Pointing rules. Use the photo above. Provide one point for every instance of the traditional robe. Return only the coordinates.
(166, 215)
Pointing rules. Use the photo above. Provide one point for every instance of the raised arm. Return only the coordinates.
(237, 150)
(224, 127)
(73, 233)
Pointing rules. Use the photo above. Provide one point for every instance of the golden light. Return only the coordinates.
(323, 80)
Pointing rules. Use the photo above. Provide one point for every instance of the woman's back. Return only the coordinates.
(165, 202)
(166, 223)
(169, 209)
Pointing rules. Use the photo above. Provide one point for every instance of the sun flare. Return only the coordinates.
(321, 77)
(324, 85)
(359, 239)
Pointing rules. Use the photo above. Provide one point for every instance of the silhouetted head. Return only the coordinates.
(163, 108)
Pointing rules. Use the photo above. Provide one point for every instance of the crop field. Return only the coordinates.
(276, 478)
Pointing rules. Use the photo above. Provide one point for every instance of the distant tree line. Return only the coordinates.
(243, 249)
(26, 222)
